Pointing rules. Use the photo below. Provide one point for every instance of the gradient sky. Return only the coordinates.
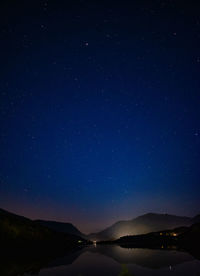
(99, 109)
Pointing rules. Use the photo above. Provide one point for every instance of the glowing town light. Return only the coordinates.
(95, 243)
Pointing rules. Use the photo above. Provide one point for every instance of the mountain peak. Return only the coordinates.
(159, 215)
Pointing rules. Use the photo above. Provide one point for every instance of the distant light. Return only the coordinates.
(80, 241)
(95, 243)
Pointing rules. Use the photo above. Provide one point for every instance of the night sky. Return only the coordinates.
(99, 109)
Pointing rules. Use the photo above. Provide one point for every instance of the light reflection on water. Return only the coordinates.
(118, 261)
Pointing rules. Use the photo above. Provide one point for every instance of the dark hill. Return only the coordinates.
(181, 238)
(20, 232)
(62, 227)
(191, 237)
(196, 219)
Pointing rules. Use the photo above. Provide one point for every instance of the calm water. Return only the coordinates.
(118, 261)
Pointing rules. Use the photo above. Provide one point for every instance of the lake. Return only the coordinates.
(114, 260)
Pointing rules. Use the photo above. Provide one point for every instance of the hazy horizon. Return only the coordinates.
(89, 228)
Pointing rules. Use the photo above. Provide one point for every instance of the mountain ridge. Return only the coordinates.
(143, 224)
(20, 232)
(63, 227)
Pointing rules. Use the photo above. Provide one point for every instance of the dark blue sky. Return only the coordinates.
(100, 109)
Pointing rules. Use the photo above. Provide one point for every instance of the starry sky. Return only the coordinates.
(99, 109)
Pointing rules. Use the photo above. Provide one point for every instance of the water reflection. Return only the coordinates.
(105, 260)
(151, 258)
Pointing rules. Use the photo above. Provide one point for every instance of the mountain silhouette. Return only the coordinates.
(63, 227)
(20, 232)
(144, 224)
(196, 219)
(15, 227)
